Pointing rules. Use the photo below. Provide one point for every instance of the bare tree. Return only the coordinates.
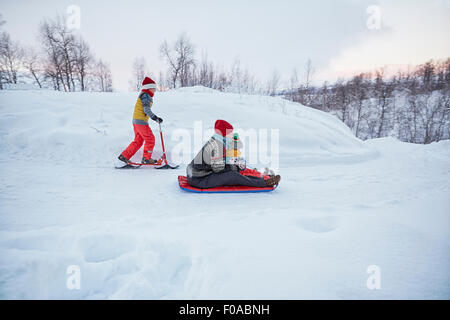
(192, 78)
(249, 82)
(139, 72)
(67, 60)
(426, 117)
(32, 62)
(162, 81)
(359, 92)
(273, 83)
(53, 63)
(414, 105)
(222, 81)
(324, 97)
(207, 73)
(305, 90)
(383, 93)
(173, 66)
(102, 76)
(235, 76)
(11, 55)
(426, 73)
(82, 61)
(309, 73)
(184, 50)
(58, 44)
(293, 85)
(180, 60)
(341, 100)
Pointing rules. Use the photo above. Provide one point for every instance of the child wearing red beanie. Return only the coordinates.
(209, 168)
(142, 131)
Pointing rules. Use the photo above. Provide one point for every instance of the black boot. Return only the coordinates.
(149, 161)
(122, 158)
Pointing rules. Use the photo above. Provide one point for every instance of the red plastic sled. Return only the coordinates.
(182, 181)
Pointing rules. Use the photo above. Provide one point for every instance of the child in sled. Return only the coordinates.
(142, 131)
(210, 168)
(234, 157)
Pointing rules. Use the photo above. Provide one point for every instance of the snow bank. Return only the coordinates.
(342, 206)
(94, 128)
(20, 86)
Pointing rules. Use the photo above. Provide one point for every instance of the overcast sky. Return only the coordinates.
(264, 35)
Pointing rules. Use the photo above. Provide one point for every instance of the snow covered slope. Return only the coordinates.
(342, 206)
(93, 128)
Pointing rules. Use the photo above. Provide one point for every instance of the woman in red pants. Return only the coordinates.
(209, 168)
(142, 131)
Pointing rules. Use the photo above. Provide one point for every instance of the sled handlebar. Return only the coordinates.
(162, 140)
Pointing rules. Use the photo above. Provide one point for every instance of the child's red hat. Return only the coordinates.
(222, 127)
(148, 84)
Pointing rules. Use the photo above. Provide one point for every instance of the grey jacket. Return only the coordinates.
(210, 159)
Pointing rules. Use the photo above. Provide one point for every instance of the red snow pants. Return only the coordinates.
(253, 173)
(141, 133)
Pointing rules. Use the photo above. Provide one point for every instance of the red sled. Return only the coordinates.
(182, 181)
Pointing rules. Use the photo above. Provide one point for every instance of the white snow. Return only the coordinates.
(342, 205)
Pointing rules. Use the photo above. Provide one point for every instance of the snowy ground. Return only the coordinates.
(342, 206)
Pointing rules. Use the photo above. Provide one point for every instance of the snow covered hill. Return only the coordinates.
(342, 205)
(93, 128)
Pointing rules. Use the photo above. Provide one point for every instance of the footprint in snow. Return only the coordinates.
(62, 121)
(163, 270)
(103, 247)
(38, 242)
(319, 225)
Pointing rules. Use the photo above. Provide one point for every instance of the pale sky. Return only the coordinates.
(264, 35)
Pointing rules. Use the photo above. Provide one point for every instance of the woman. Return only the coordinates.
(209, 168)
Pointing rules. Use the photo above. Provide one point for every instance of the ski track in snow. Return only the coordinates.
(341, 206)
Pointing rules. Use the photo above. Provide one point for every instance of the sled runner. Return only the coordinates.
(128, 166)
(135, 165)
(183, 183)
(161, 164)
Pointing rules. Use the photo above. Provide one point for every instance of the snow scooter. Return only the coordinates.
(158, 164)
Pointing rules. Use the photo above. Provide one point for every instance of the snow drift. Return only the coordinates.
(343, 205)
(95, 127)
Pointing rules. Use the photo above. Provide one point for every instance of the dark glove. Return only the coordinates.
(159, 120)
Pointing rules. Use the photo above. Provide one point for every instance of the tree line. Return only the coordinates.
(183, 69)
(413, 105)
(64, 60)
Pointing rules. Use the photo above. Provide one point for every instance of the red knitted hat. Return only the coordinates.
(148, 84)
(222, 127)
